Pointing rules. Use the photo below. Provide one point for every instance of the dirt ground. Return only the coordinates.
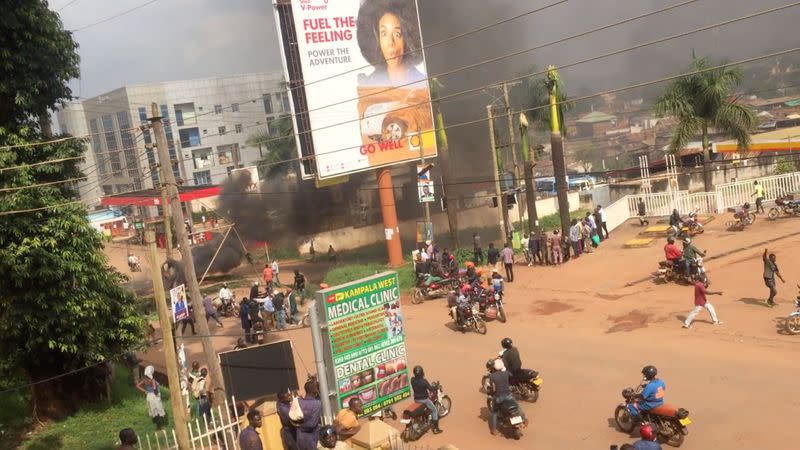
(592, 324)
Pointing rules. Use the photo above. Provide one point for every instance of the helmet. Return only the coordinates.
(506, 342)
(465, 288)
(479, 271)
(499, 365)
(746, 205)
(470, 265)
(687, 241)
(494, 270)
(647, 433)
(224, 285)
(490, 364)
(649, 372)
(418, 372)
(671, 240)
(327, 436)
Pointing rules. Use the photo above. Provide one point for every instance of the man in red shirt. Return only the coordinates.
(671, 251)
(268, 277)
(700, 302)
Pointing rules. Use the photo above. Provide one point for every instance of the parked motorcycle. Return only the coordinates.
(230, 309)
(670, 422)
(417, 417)
(525, 387)
(471, 317)
(742, 218)
(427, 290)
(785, 206)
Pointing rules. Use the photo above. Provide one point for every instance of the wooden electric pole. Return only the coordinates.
(557, 149)
(512, 146)
(171, 361)
(501, 198)
(193, 286)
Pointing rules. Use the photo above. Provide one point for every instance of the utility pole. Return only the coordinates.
(186, 257)
(501, 198)
(175, 399)
(446, 167)
(529, 159)
(164, 211)
(427, 206)
(557, 144)
(512, 145)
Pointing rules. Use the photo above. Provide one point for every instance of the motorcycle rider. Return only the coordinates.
(500, 391)
(422, 390)
(510, 356)
(226, 296)
(690, 253)
(671, 252)
(649, 439)
(462, 301)
(133, 262)
(497, 281)
(652, 392)
(471, 273)
(676, 222)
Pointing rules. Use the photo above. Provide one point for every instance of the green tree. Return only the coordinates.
(281, 147)
(702, 100)
(62, 308)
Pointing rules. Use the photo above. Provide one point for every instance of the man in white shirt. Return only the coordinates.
(525, 242)
(225, 294)
(275, 270)
(602, 225)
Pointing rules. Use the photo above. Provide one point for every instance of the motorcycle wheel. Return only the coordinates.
(444, 405)
(623, 419)
(676, 440)
(530, 392)
(752, 217)
(417, 296)
(306, 322)
(501, 314)
(773, 213)
(516, 433)
(480, 326)
(793, 324)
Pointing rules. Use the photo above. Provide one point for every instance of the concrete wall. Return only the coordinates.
(478, 217)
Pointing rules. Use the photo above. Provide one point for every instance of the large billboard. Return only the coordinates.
(365, 341)
(366, 87)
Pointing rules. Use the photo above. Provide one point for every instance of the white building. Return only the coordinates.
(208, 122)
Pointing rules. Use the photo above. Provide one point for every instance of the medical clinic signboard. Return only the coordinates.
(365, 82)
(365, 342)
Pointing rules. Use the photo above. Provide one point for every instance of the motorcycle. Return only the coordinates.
(226, 309)
(742, 218)
(668, 272)
(134, 266)
(423, 291)
(508, 417)
(670, 422)
(525, 387)
(417, 417)
(690, 226)
(470, 316)
(492, 306)
(784, 205)
(793, 321)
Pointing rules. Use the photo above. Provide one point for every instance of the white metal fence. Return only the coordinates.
(220, 432)
(724, 196)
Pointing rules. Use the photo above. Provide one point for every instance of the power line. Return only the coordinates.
(19, 188)
(66, 5)
(115, 16)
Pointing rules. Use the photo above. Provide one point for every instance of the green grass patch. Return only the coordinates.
(96, 426)
(347, 273)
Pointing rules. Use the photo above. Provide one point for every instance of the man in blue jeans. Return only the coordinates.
(422, 389)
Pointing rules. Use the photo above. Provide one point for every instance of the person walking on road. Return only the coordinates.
(508, 261)
(244, 317)
(701, 302)
(211, 311)
(476, 249)
(759, 195)
(492, 255)
(770, 271)
(276, 270)
(268, 276)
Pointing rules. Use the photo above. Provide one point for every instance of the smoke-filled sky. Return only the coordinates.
(181, 39)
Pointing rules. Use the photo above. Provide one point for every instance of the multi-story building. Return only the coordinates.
(207, 123)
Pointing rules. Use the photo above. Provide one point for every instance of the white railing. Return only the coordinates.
(657, 204)
(738, 192)
(221, 432)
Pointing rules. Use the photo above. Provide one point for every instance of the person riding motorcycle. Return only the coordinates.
(671, 252)
(742, 213)
(500, 390)
(510, 356)
(462, 302)
(649, 439)
(690, 253)
(652, 393)
(471, 273)
(422, 390)
(497, 281)
(675, 221)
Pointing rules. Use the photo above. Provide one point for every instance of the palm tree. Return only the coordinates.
(281, 148)
(444, 154)
(702, 100)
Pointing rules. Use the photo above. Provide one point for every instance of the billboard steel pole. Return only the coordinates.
(319, 361)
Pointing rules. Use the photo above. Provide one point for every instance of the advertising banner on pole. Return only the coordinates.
(365, 342)
(425, 185)
(365, 82)
(177, 296)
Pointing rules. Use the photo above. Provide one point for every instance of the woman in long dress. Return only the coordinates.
(150, 387)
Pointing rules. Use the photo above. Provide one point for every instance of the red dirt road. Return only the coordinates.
(589, 333)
